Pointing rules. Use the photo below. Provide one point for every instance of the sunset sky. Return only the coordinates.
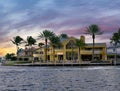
(30, 17)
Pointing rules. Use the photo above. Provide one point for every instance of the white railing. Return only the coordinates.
(90, 51)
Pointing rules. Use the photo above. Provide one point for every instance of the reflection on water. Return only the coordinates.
(60, 78)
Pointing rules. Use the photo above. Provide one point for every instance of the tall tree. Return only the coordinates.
(9, 56)
(93, 30)
(80, 44)
(54, 41)
(46, 34)
(115, 40)
(17, 41)
(30, 41)
(40, 46)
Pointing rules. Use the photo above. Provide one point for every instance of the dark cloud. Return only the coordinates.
(61, 16)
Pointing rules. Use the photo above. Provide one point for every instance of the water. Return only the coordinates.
(60, 78)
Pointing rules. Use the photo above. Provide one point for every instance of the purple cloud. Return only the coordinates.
(18, 17)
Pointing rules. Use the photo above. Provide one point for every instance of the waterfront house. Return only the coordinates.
(67, 52)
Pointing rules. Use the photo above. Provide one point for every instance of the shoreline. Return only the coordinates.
(44, 64)
(18, 63)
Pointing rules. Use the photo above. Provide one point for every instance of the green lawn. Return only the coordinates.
(12, 63)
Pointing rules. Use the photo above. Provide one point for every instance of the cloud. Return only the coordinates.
(73, 32)
(4, 51)
(24, 18)
(7, 6)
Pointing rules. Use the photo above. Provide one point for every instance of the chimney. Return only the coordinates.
(82, 38)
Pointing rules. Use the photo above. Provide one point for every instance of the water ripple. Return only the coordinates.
(60, 78)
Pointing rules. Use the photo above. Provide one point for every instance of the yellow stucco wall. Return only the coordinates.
(59, 53)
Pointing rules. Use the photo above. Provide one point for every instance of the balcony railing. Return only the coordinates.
(90, 51)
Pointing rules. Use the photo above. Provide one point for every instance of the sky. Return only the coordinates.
(30, 17)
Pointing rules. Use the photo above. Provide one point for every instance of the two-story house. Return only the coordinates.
(67, 52)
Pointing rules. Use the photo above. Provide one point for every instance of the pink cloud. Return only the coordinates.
(109, 23)
(107, 28)
(74, 31)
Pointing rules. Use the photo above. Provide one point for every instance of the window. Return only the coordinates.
(59, 47)
(88, 48)
(41, 52)
(70, 45)
(71, 55)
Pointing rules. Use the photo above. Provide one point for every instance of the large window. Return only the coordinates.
(71, 55)
(99, 48)
(70, 45)
(59, 47)
(41, 52)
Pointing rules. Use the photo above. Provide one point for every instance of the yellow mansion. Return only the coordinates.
(68, 52)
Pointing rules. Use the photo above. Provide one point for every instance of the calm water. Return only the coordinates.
(60, 78)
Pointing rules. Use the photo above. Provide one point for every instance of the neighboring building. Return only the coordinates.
(2, 59)
(68, 52)
(38, 54)
(111, 52)
(25, 54)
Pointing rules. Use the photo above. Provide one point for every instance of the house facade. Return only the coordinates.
(25, 54)
(111, 52)
(68, 52)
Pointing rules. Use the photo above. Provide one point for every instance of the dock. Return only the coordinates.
(66, 64)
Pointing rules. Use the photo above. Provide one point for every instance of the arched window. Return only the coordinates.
(70, 44)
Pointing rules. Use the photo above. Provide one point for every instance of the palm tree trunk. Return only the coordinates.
(40, 55)
(17, 51)
(31, 53)
(54, 54)
(46, 50)
(79, 55)
(115, 60)
(93, 36)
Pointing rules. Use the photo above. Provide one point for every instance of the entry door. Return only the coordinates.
(60, 57)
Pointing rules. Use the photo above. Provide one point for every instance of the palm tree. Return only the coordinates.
(80, 44)
(54, 41)
(115, 40)
(17, 41)
(46, 34)
(30, 41)
(40, 46)
(93, 30)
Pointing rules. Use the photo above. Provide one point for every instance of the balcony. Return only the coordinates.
(90, 51)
